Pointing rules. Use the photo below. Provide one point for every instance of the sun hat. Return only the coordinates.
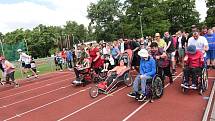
(157, 34)
(191, 49)
(143, 53)
(19, 50)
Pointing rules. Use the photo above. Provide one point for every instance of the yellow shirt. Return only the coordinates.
(161, 43)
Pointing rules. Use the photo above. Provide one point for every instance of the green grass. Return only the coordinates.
(43, 68)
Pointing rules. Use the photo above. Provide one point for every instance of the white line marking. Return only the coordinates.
(4, 106)
(88, 105)
(34, 89)
(42, 106)
(207, 110)
(34, 83)
(140, 107)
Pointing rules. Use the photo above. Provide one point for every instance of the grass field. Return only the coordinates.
(44, 65)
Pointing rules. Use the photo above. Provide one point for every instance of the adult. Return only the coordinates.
(180, 46)
(115, 52)
(200, 42)
(134, 46)
(23, 57)
(9, 70)
(97, 62)
(170, 50)
(147, 71)
(211, 52)
(69, 59)
(161, 42)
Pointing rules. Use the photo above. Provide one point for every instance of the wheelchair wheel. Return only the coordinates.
(94, 92)
(204, 80)
(157, 87)
(128, 79)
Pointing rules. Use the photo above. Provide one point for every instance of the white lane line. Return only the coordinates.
(4, 106)
(42, 106)
(35, 88)
(89, 105)
(35, 83)
(140, 107)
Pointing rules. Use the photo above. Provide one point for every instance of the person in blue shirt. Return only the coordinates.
(147, 71)
(69, 58)
(211, 52)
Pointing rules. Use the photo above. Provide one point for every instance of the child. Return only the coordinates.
(33, 66)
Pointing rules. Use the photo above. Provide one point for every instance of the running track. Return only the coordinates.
(52, 97)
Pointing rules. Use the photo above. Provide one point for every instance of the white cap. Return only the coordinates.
(143, 53)
(19, 50)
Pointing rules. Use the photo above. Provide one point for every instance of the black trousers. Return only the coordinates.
(192, 72)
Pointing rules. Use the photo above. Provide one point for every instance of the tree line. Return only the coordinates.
(113, 19)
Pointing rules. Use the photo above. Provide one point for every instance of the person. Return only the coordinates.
(118, 70)
(63, 55)
(83, 66)
(180, 46)
(115, 52)
(97, 61)
(9, 70)
(211, 52)
(147, 71)
(33, 66)
(26, 59)
(69, 59)
(58, 61)
(194, 61)
(170, 50)
(163, 61)
(161, 42)
(200, 42)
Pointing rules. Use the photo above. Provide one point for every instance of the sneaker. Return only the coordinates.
(185, 85)
(141, 97)
(61, 70)
(36, 76)
(16, 85)
(28, 76)
(103, 70)
(132, 94)
(193, 86)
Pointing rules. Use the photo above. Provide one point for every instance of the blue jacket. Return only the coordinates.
(148, 67)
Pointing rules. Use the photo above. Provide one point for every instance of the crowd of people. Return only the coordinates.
(167, 51)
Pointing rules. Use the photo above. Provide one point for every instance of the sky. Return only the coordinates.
(28, 14)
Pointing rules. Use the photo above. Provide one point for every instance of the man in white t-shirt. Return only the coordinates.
(27, 65)
(200, 42)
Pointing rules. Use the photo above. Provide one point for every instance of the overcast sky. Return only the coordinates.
(29, 13)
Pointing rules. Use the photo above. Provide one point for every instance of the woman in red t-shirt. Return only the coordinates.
(96, 58)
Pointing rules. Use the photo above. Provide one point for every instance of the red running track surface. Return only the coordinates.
(52, 97)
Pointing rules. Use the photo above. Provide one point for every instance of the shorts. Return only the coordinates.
(27, 65)
(211, 54)
(181, 52)
(172, 56)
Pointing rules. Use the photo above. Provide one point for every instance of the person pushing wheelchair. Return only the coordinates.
(147, 71)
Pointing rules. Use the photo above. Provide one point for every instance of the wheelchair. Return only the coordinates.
(202, 81)
(154, 87)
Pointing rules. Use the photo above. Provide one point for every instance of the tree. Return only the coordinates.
(104, 16)
(210, 19)
(148, 12)
(182, 14)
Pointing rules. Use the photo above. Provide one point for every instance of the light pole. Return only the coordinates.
(26, 44)
(141, 26)
(2, 49)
